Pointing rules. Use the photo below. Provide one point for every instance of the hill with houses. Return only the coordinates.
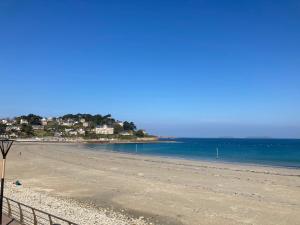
(75, 126)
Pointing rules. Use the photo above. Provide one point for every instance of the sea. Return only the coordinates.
(268, 152)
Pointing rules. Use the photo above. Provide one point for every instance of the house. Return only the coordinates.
(37, 127)
(4, 136)
(104, 130)
(74, 132)
(4, 121)
(13, 135)
(58, 134)
(126, 133)
(67, 130)
(81, 131)
(59, 121)
(49, 119)
(120, 123)
(10, 128)
(85, 124)
(23, 121)
(82, 120)
(49, 128)
(71, 131)
(44, 122)
(68, 123)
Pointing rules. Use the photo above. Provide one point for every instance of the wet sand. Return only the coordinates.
(164, 191)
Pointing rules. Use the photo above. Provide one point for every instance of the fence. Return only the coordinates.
(27, 215)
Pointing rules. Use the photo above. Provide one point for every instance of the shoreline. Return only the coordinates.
(198, 160)
(94, 141)
(195, 192)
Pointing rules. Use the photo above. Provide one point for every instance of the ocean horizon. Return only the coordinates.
(281, 152)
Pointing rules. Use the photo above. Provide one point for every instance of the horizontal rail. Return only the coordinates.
(28, 215)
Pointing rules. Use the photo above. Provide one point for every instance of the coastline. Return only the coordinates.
(162, 190)
(92, 141)
(191, 159)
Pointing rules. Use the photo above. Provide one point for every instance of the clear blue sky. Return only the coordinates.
(184, 68)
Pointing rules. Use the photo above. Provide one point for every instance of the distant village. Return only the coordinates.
(72, 126)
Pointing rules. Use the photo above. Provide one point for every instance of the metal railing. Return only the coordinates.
(27, 215)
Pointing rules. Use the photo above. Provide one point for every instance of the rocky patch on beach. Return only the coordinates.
(69, 209)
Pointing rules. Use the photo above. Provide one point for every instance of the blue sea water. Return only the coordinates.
(275, 152)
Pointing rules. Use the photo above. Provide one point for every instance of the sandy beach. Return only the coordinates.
(114, 188)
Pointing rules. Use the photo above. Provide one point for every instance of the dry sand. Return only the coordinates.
(163, 191)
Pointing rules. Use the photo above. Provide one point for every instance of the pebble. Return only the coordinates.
(69, 209)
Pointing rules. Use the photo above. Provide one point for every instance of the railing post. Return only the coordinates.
(8, 207)
(50, 219)
(34, 217)
(21, 213)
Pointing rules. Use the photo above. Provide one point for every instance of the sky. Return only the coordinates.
(176, 68)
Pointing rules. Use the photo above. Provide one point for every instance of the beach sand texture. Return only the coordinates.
(132, 189)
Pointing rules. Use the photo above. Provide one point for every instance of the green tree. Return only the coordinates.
(27, 130)
(97, 119)
(107, 119)
(118, 128)
(31, 118)
(129, 126)
(34, 119)
(90, 135)
(140, 133)
(69, 116)
(2, 128)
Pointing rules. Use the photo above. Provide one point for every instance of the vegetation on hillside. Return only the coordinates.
(70, 125)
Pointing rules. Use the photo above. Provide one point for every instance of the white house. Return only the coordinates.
(68, 123)
(59, 121)
(44, 122)
(120, 123)
(104, 130)
(67, 130)
(13, 135)
(73, 132)
(9, 128)
(81, 131)
(23, 121)
(85, 124)
(82, 120)
(58, 134)
(126, 133)
(37, 127)
(4, 121)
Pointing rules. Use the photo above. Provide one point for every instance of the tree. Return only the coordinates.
(68, 116)
(31, 118)
(34, 119)
(97, 119)
(140, 133)
(87, 117)
(107, 119)
(2, 128)
(129, 126)
(90, 135)
(27, 129)
(118, 128)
